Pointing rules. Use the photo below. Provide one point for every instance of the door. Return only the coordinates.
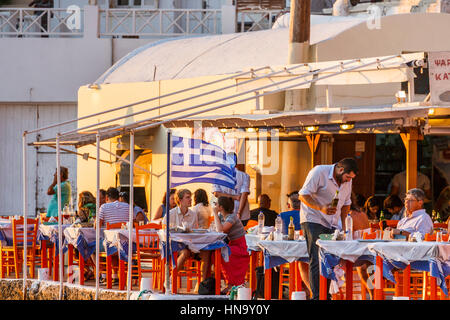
(46, 157)
(362, 148)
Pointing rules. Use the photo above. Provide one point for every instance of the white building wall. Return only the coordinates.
(15, 118)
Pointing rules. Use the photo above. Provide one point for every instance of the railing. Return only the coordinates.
(254, 20)
(159, 22)
(32, 22)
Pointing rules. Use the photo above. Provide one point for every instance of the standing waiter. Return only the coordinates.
(316, 214)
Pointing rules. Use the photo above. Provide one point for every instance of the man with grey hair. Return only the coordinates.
(416, 219)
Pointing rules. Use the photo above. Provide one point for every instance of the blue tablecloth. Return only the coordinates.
(424, 256)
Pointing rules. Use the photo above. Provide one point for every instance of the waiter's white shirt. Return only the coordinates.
(242, 185)
(321, 186)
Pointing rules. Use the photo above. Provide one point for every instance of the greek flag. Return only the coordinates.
(197, 161)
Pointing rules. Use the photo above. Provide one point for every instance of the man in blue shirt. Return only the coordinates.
(294, 212)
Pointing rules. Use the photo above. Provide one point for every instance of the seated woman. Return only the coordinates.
(228, 222)
(360, 222)
(372, 208)
(202, 208)
(162, 209)
(86, 206)
(394, 206)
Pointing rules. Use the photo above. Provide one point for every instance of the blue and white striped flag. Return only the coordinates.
(197, 161)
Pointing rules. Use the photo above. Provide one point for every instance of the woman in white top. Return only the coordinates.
(202, 208)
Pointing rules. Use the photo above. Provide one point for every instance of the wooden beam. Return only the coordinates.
(410, 139)
(300, 23)
(313, 143)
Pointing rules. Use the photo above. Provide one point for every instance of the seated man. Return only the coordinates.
(113, 211)
(394, 206)
(416, 219)
(294, 212)
(264, 206)
(183, 217)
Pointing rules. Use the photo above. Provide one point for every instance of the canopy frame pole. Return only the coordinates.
(167, 268)
(97, 221)
(25, 213)
(200, 95)
(146, 100)
(144, 127)
(130, 219)
(58, 174)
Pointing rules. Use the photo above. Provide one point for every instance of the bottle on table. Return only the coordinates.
(348, 227)
(291, 229)
(382, 217)
(438, 217)
(260, 222)
(278, 228)
(433, 216)
(335, 200)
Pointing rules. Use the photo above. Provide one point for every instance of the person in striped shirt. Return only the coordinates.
(113, 211)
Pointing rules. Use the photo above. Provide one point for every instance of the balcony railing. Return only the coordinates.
(32, 22)
(137, 23)
(159, 22)
(254, 20)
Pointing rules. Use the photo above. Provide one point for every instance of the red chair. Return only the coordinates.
(389, 223)
(12, 256)
(148, 254)
(368, 236)
(250, 224)
(440, 225)
(105, 260)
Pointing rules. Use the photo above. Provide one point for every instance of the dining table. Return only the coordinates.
(279, 252)
(385, 255)
(195, 241)
(48, 235)
(83, 239)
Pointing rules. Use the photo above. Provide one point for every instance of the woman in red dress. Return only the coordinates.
(228, 222)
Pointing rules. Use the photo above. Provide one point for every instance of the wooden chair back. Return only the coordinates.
(250, 224)
(20, 235)
(117, 225)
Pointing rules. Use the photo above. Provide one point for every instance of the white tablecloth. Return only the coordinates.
(194, 241)
(252, 242)
(288, 250)
(406, 252)
(347, 250)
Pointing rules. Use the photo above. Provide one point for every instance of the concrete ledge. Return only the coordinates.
(11, 289)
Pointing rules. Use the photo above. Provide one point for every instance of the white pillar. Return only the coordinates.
(91, 22)
(228, 18)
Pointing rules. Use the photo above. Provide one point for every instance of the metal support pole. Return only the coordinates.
(130, 221)
(58, 174)
(25, 226)
(167, 269)
(97, 221)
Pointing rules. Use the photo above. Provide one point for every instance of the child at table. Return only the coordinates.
(228, 222)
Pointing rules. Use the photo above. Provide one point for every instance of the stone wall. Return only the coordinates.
(12, 289)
